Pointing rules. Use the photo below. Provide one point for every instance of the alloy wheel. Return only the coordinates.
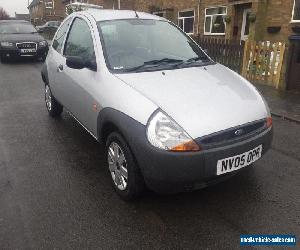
(48, 98)
(117, 166)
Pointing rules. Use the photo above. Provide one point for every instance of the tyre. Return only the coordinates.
(126, 176)
(3, 59)
(53, 107)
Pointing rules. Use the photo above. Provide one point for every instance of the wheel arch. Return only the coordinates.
(44, 74)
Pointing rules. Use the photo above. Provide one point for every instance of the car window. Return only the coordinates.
(135, 42)
(80, 41)
(60, 36)
(16, 28)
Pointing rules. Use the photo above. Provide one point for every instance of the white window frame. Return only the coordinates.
(182, 18)
(209, 33)
(47, 2)
(293, 12)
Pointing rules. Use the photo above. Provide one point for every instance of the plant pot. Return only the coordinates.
(227, 19)
(273, 29)
(296, 29)
(252, 17)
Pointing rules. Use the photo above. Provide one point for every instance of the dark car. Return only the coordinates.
(51, 25)
(21, 39)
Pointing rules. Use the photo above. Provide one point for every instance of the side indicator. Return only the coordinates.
(95, 107)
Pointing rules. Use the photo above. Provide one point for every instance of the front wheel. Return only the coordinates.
(53, 107)
(126, 176)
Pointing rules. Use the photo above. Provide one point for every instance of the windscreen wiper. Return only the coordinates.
(154, 64)
(192, 60)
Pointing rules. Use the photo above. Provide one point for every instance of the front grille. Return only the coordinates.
(27, 45)
(232, 134)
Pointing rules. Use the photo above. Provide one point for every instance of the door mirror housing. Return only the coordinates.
(77, 62)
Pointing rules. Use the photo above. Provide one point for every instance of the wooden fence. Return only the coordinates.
(256, 61)
(227, 52)
(263, 62)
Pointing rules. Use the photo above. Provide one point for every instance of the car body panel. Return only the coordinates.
(202, 100)
(98, 90)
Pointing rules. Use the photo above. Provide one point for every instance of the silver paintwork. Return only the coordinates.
(202, 100)
(117, 165)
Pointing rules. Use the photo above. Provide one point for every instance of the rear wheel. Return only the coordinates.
(53, 107)
(126, 176)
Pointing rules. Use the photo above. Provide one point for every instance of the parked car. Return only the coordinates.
(20, 39)
(170, 118)
(50, 26)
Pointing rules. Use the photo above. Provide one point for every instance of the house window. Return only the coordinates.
(214, 21)
(49, 5)
(186, 21)
(296, 11)
(159, 13)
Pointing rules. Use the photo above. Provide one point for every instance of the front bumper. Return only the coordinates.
(169, 172)
(12, 53)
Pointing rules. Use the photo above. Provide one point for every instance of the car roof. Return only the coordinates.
(105, 14)
(14, 21)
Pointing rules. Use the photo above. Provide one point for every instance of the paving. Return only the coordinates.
(282, 103)
(55, 190)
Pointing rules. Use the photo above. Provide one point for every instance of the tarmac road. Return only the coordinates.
(55, 190)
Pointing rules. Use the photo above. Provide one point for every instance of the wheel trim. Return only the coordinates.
(48, 98)
(117, 166)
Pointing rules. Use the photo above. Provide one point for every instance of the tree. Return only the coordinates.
(3, 14)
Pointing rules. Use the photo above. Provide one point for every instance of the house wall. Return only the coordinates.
(278, 13)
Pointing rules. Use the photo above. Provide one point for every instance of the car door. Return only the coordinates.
(56, 60)
(77, 82)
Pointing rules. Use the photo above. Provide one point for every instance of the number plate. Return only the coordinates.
(28, 50)
(234, 163)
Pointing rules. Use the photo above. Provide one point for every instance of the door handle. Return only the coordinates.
(60, 68)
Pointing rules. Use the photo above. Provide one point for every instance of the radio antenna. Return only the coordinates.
(136, 14)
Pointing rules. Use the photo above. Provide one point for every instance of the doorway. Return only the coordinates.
(293, 82)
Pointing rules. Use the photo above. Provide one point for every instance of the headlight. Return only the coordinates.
(164, 133)
(43, 43)
(6, 44)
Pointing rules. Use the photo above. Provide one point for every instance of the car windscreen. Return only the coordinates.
(147, 44)
(16, 28)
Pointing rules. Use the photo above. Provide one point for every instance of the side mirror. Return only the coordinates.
(77, 62)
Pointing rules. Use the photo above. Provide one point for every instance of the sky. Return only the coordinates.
(12, 6)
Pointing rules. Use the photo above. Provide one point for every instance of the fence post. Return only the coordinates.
(245, 61)
(277, 78)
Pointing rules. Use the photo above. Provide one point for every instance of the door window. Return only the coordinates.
(246, 25)
(80, 42)
(60, 36)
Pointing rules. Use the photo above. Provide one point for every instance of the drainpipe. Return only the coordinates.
(198, 19)
(119, 4)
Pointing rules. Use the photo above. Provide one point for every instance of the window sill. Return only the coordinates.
(295, 21)
(214, 34)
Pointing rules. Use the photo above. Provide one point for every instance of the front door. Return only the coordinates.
(77, 84)
(245, 25)
(294, 66)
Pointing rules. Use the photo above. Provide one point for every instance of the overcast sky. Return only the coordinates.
(12, 6)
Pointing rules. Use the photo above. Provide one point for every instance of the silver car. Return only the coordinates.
(171, 118)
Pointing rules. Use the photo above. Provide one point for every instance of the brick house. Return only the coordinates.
(42, 11)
